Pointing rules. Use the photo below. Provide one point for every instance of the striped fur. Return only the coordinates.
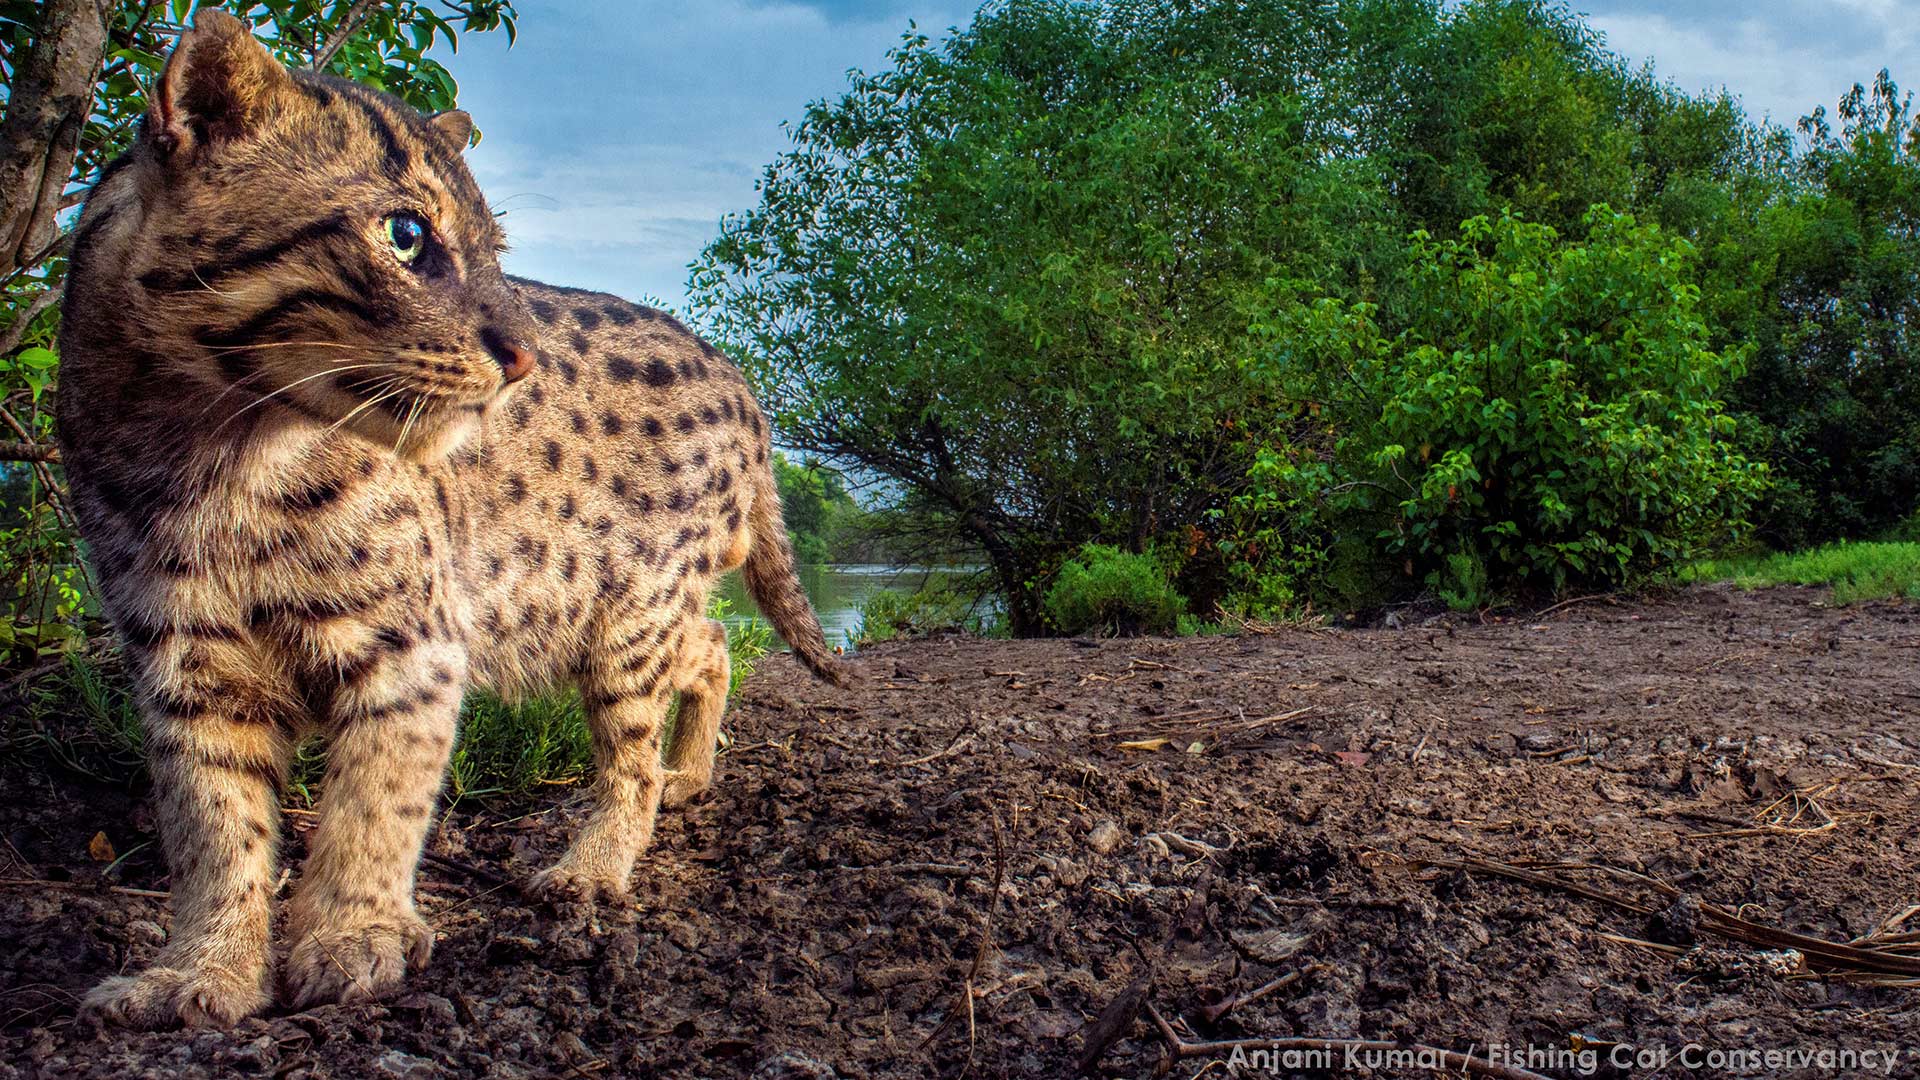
(317, 500)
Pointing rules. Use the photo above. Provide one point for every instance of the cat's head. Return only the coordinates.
(281, 239)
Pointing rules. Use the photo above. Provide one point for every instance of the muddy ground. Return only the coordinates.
(1179, 822)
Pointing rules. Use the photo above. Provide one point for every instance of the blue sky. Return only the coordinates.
(618, 133)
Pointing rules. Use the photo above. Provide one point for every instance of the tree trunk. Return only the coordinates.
(47, 106)
(1023, 614)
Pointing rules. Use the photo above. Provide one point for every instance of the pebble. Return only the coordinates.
(1106, 837)
(788, 1065)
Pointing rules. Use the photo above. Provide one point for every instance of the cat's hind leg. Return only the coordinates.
(625, 688)
(703, 672)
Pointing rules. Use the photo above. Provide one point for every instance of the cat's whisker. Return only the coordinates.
(282, 345)
(208, 286)
(413, 414)
(364, 406)
(303, 379)
(237, 384)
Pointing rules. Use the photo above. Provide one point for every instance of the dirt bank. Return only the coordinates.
(1219, 812)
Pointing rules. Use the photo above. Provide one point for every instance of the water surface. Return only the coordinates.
(837, 591)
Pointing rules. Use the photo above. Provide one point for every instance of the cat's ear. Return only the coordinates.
(455, 125)
(218, 84)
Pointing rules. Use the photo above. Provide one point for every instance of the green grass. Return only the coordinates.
(1857, 570)
(81, 715)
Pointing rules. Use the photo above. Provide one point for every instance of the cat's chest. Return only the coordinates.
(306, 532)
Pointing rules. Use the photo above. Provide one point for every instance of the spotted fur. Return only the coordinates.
(328, 489)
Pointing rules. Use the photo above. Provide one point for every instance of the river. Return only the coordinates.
(837, 591)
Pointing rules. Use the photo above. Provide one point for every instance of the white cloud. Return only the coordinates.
(1779, 60)
(616, 136)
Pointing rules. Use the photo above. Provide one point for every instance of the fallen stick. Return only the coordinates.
(945, 869)
(480, 873)
(1181, 1049)
(81, 886)
(1213, 1014)
(1543, 613)
(967, 992)
(952, 748)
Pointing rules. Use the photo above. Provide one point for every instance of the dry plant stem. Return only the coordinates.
(1544, 612)
(27, 451)
(478, 873)
(980, 954)
(10, 338)
(1213, 1014)
(1181, 1049)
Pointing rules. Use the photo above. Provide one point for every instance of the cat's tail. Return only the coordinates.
(775, 585)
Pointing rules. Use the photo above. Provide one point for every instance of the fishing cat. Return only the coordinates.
(332, 467)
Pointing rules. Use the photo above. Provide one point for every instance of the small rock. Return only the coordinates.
(255, 1056)
(1105, 837)
(145, 932)
(570, 1049)
(1679, 924)
(791, 1066)
(1538, 743)
(1274, 946)
(405, 1066)
(432, 1009)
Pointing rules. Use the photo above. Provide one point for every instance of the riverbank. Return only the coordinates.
(1385, 818)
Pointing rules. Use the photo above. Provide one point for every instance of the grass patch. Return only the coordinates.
(82, 718)
(1856, 570)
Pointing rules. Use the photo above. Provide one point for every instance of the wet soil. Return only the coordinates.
(1170, 823)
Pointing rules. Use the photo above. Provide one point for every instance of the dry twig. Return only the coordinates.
(964, 1006)
(1718, 920)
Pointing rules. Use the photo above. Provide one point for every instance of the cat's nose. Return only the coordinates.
(514, 357)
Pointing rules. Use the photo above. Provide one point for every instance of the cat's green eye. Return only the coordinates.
(408, 236)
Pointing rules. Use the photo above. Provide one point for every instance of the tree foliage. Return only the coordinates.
(1011, 273)
(818, 509)
(1835, 387)
(1032, 276)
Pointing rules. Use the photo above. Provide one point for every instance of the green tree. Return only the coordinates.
(1013, 274)
(817, 507)
(1835, 385)
(1497, 105)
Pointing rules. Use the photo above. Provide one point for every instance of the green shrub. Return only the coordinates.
(891, 614)
(1104, 590)
(1550, 415)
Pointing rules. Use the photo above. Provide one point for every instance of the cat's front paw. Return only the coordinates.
(567, 883)
(354, 963)
(197, 995)
(682, 787)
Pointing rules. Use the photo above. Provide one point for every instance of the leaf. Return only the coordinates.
(100, 849)
(38, 358)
